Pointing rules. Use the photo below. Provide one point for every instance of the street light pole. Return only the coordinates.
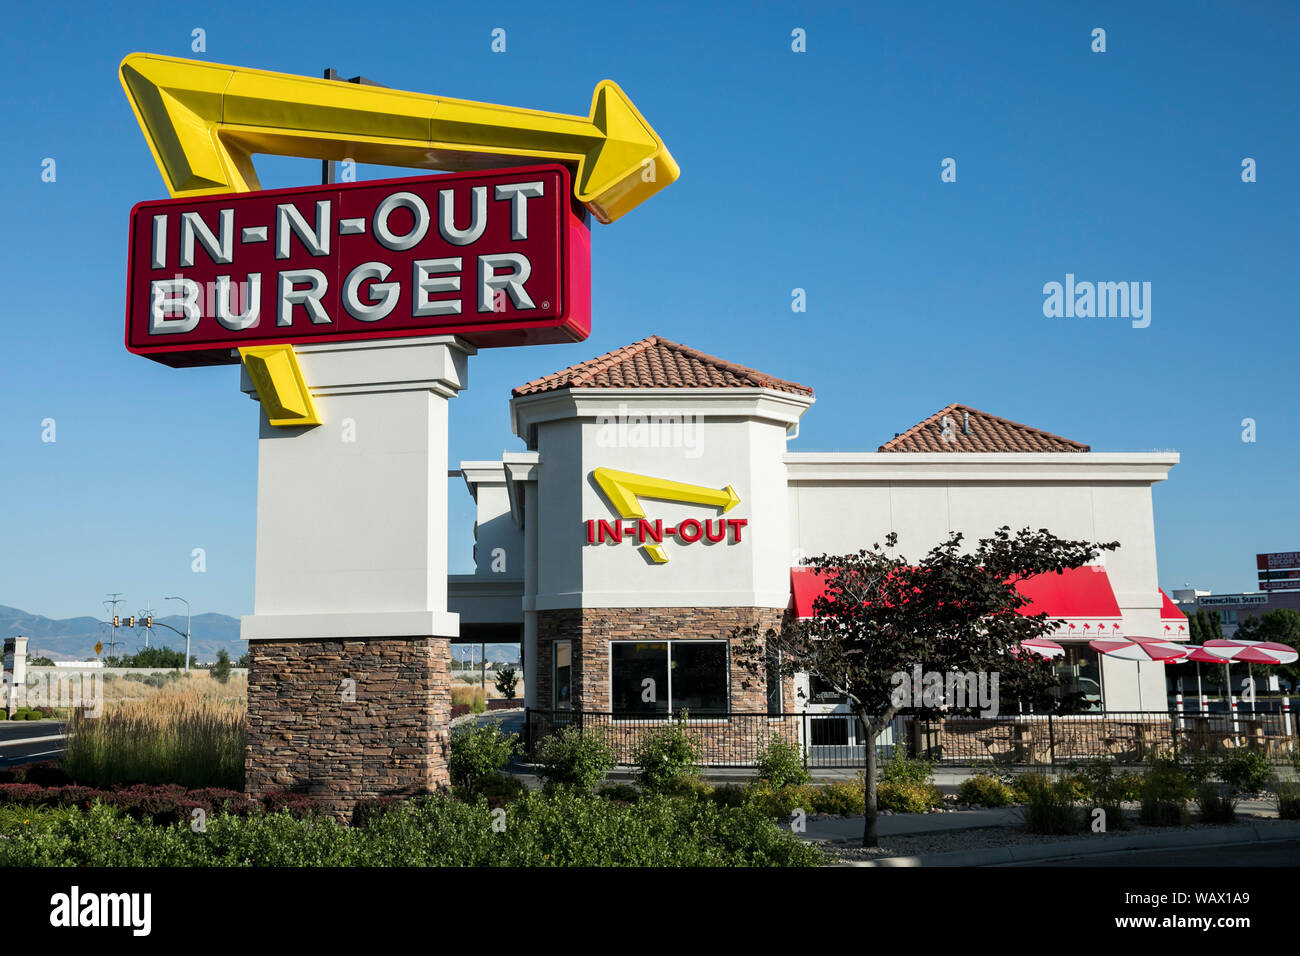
(187, 629)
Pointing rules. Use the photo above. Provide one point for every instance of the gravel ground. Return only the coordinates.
(951, 841)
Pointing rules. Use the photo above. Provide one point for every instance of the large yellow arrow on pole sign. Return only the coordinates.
(624, 490)
(205, 121)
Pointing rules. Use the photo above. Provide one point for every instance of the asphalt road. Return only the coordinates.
(1282, 853)
(13, 753)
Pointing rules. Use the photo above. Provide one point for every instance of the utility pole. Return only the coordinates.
(115, 600)
(187, 629)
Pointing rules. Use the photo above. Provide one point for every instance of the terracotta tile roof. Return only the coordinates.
(975, 431)
(655, 362)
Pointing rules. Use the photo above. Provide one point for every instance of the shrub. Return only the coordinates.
(478, 752)
(984, 790)
(781, 802)
(905, 769)
(221, 669)
(1077, 785)
(622, 792)
(559, 829)
(1165, 792)
(1213, 806)
(843, 799)
(688, 787)
(572, 758)
(666, 755)
(1050, 807)
(1288, 799)
(505, 682)
(780, 762)
(908, 796)
(730, 795)
(1245, 770)
(501, 789)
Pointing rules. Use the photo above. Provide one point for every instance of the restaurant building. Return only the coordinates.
(658, 504)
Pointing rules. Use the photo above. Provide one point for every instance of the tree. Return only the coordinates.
(243, 660)
(40, 662)
(1281, 625)
(882, 616)
(221, 669)
(506, 681)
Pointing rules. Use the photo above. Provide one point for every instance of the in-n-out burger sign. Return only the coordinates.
(624, 490)
(499, 258)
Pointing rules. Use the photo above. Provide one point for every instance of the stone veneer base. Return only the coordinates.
(341, 720)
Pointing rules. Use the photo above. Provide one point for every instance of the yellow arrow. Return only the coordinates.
(625, 489)
(204, 122)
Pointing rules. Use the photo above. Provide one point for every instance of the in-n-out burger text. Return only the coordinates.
(500, 258)
(644, 531)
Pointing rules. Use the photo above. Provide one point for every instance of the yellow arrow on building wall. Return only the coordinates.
(205, 121)
(625, 489)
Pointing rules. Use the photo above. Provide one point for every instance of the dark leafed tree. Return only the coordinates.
(1281, 626)
(882, 615)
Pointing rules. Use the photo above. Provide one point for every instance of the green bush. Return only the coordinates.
(665, 756)
(1213, 806)
(730, 795)
(984, 790)
(564, 828)
(623, 792)
(843, 799)
(1165, 792)
(689, 787)
(572, 758)
(1288, 799)
(1245, 770)
(907, 796)
(501, 788)
(221, 669)
(781, 802)
(477, 753)
(1077, 785)
(1051, 807)
(904, 769)
(780, 762)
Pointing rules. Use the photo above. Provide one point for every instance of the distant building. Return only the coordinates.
(1235, 609)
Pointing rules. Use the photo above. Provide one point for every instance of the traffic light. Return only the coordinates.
(130, 621)
(117, 621)
(148, 621)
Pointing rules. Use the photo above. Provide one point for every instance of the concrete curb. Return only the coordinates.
(1176, 839)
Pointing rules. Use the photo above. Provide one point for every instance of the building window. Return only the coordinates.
(562, 678)
(774, 700)
(820, 692)
(664, 677)
(1080, 673)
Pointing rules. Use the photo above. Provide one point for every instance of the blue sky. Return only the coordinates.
(818, 170)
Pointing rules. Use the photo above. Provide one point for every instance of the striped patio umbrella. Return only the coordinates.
(1249, 652)
(1040, 646)
(1198, 654)
(1139, 649)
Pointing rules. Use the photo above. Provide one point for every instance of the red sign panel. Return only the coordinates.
(1277, 560)
(498, 258)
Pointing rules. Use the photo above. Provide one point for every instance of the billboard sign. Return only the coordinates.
(498, 258)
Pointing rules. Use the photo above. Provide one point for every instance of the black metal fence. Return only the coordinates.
(1044, 740)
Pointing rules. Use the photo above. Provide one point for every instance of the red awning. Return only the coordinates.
(1081, 597)
(806, 584)
(1173, 622)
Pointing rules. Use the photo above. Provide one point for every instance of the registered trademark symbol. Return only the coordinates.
(546, 304)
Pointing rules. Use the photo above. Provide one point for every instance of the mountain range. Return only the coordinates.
(73, 638)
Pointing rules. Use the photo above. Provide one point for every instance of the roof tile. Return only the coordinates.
(655, 362)
(968, 429)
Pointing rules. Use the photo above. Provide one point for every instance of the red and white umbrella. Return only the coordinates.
(1251, 652)
(1140, 648)
(1040, 646)
(1199, 655)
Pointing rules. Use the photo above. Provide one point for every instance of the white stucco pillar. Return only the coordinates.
(352, 514)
